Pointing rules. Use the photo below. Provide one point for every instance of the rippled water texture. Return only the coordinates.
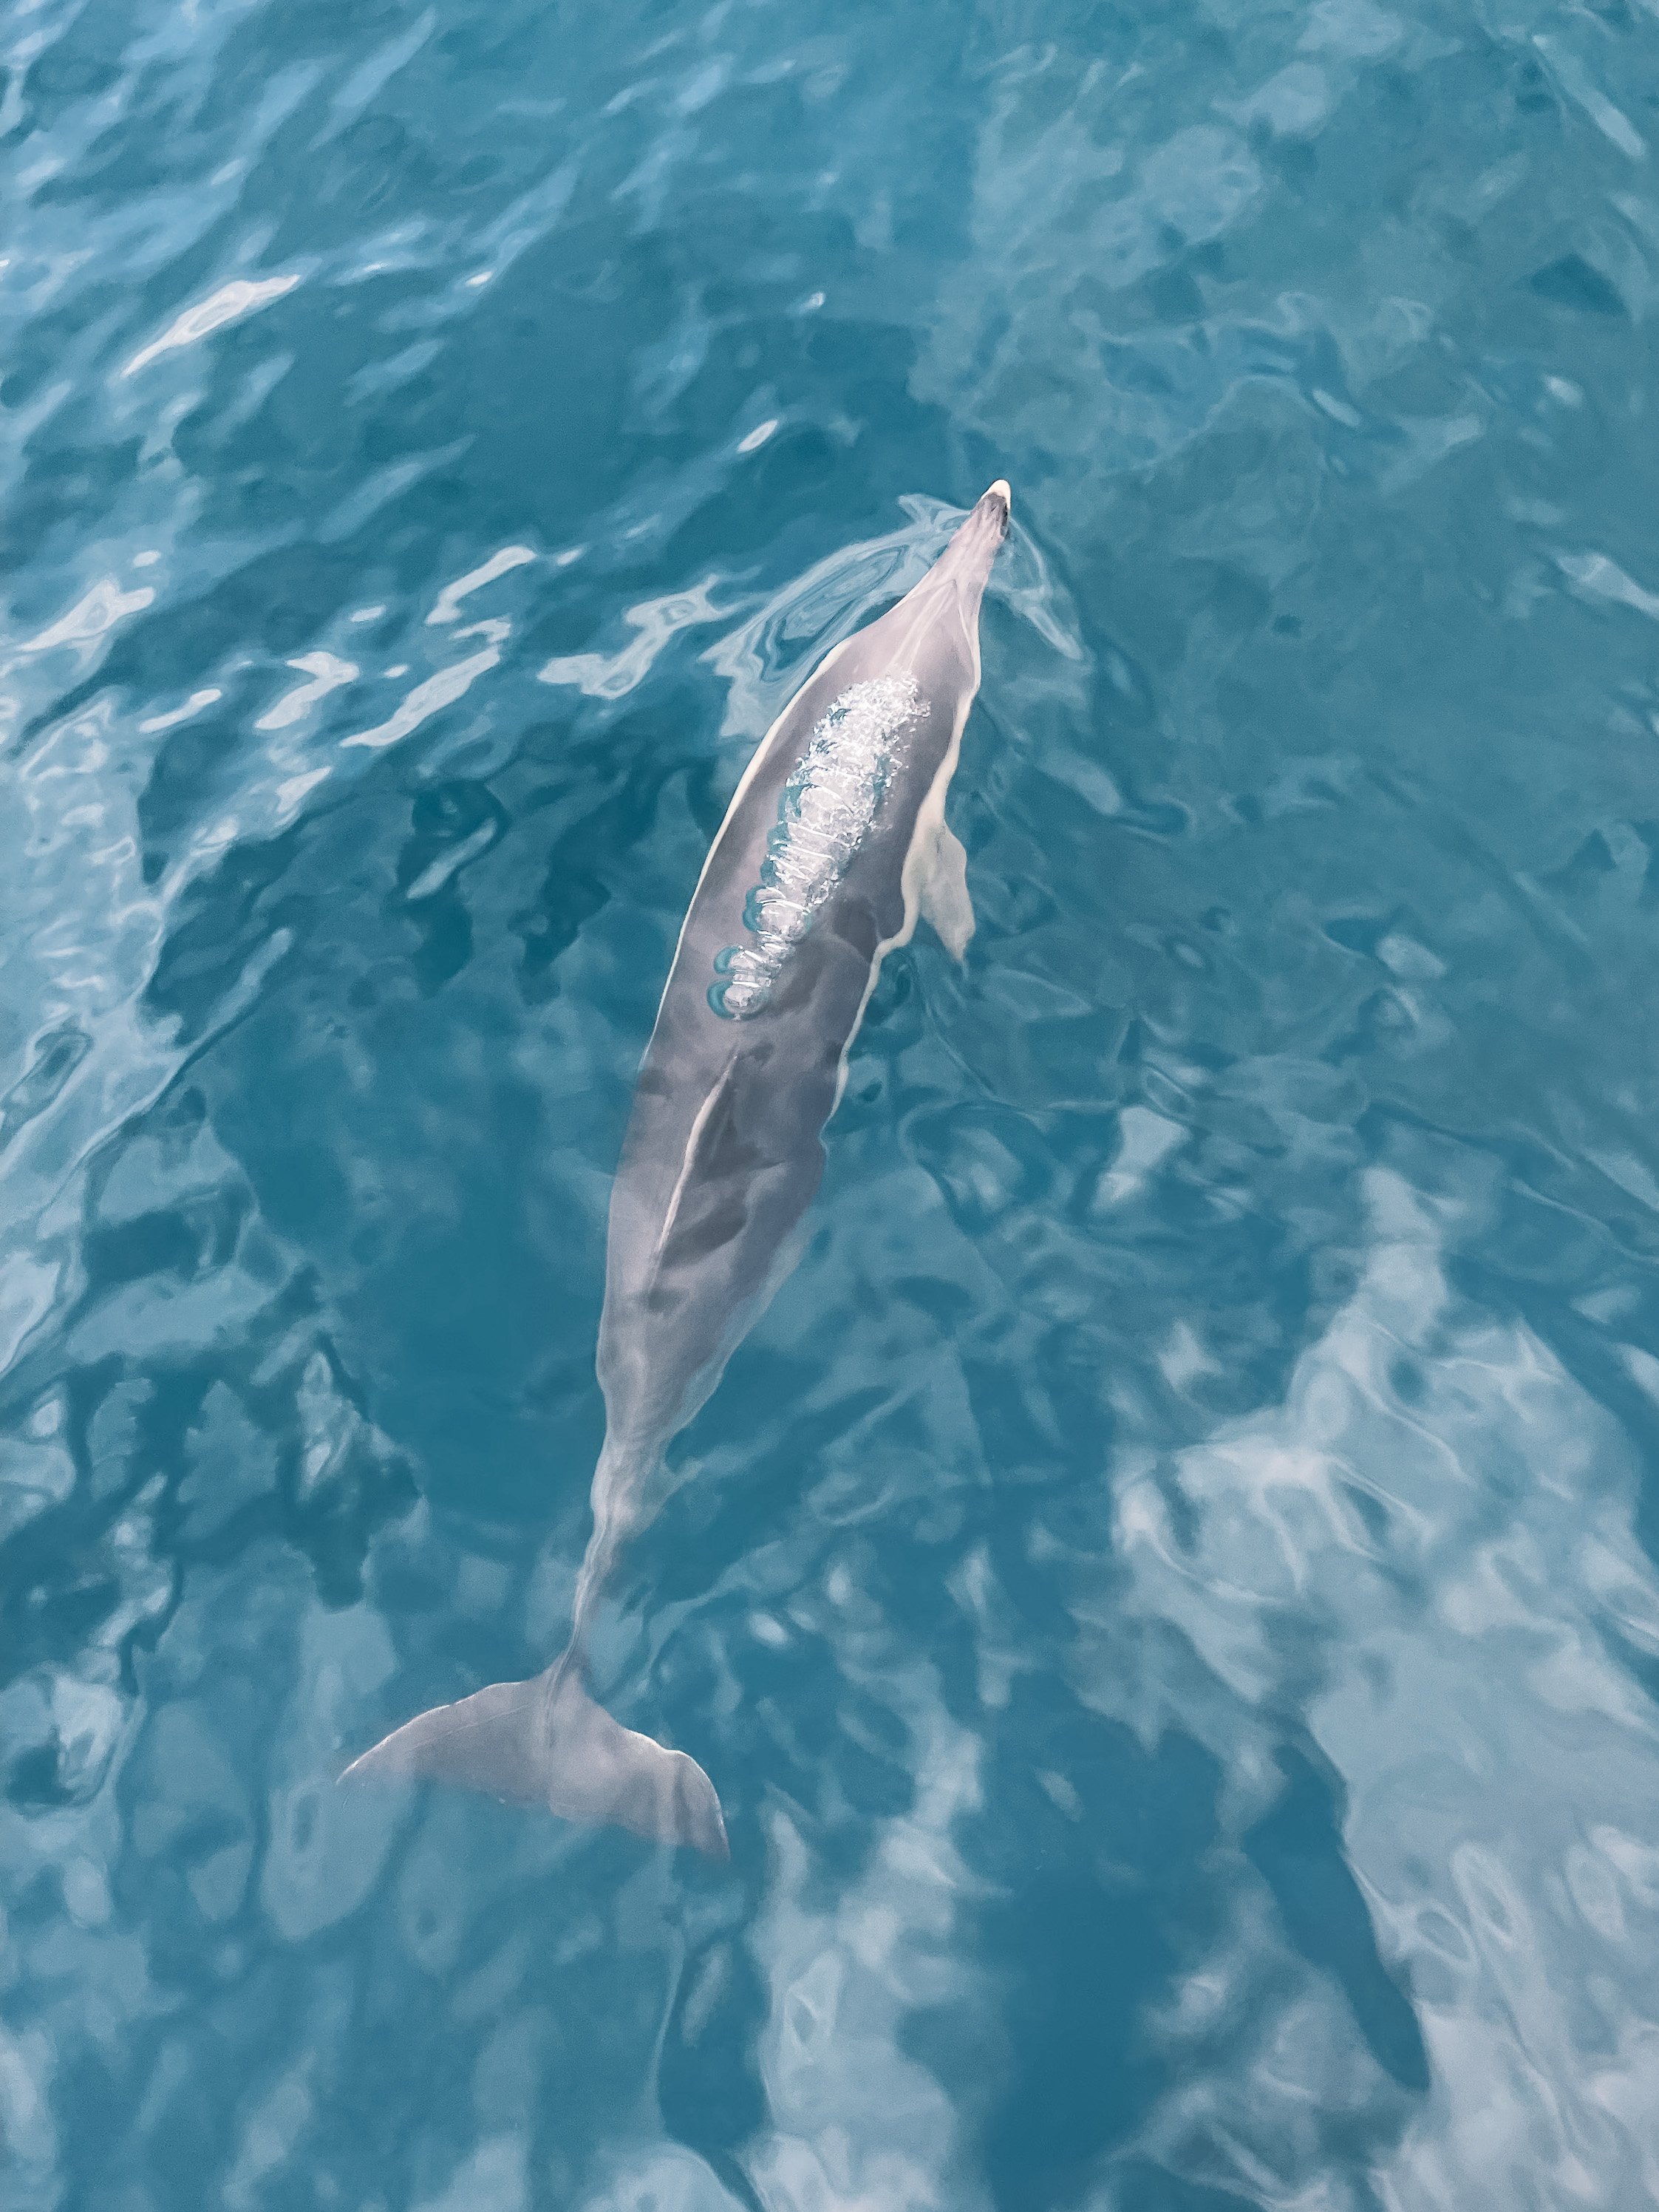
(1168, 1595)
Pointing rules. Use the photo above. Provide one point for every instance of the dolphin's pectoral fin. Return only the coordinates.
(945, 899)
(546, 1742)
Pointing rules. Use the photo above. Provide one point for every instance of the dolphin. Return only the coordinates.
(835, 842)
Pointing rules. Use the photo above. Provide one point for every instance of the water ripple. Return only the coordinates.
(1169, 1594)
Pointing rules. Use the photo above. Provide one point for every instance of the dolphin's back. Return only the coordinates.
(724, 1149)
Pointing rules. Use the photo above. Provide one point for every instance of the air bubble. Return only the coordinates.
(825, 811)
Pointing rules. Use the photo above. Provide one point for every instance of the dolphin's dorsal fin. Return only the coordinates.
(944, 891)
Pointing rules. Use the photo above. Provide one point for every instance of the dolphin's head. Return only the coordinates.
(966, 561)
(932, 633)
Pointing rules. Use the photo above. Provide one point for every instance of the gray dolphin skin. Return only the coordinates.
(833, 843)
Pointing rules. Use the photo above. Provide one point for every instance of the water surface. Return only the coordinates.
(1168, 1595)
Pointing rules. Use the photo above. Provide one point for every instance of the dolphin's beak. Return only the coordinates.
(995, 506)
(990, 517)
(966, 561)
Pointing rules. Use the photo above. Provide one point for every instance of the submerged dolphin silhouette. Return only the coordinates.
(834, 842)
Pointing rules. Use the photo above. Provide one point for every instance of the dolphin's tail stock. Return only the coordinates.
(546, 1742)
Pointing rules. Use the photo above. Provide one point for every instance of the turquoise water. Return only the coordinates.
(1168, 1595)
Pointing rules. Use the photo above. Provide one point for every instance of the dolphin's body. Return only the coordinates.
(835, 842)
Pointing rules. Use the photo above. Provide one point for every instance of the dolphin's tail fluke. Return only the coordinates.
(546, 1742)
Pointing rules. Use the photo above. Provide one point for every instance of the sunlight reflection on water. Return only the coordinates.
(1169, 1594)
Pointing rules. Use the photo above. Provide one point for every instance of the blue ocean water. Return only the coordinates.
(1169, 1594)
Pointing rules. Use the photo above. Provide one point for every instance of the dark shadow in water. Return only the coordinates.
(1101, 1906)
(1297, 1850)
